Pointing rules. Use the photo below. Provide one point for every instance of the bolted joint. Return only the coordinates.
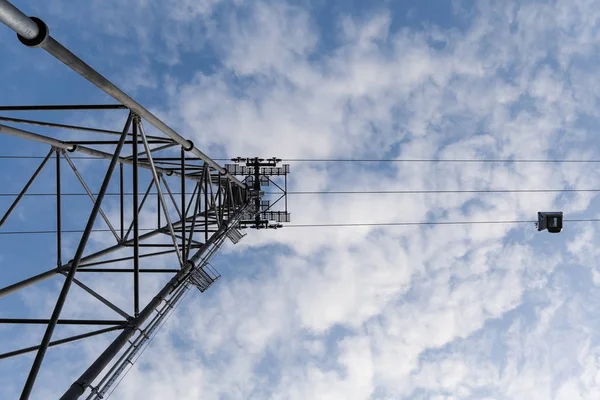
(130, 323)
(190, 265)
(41, 37)
(93, 389)
(189, 147)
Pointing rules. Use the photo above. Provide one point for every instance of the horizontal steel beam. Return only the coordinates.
(64, 107)
(9, 130)
(62, 321)
(141, 270)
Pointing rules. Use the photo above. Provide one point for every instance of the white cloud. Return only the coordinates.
(450, 312)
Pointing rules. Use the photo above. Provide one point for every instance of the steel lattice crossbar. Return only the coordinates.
(195, 203)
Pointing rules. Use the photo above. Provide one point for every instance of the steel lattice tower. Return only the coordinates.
(196, 224)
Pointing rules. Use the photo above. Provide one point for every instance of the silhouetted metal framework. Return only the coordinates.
(196, 224)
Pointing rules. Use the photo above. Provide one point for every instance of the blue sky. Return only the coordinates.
(469, 312)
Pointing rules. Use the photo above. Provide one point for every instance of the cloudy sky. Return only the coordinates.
(435, 312)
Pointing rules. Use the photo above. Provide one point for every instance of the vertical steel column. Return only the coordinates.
(206, 178)
(285, 192)
(122, 201)
(58, 213)
(220, 204)
(136, 231)
(158, 209)
(73, 269)
(183, 207)
(230, 200)
(257, 191)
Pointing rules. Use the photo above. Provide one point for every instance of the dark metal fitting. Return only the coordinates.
(40, 38)
(72, 149)
(189, 147)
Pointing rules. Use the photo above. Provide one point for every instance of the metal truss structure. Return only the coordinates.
(196, 203)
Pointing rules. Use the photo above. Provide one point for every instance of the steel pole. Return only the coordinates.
(184, 209)
(17, 21)
(35, 137)
(136, 232)
(27, 282)
(122, 201)
(58, 212)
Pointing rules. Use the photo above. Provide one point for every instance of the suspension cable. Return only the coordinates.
(368, 160)
(338, 225)
(361, 224)
(441, 191)
(325, 192)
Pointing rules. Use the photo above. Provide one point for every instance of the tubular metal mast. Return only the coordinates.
(195, 226)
